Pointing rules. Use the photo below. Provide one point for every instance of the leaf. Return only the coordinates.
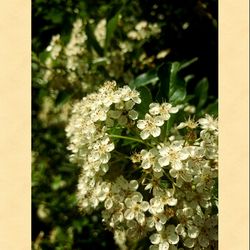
(173, 86)
(144, 79)
(92, 40)
(201, 91)
(188, 63)
(146, 99)
(62, 97)
(212, 108)
(43, 56)
(110, 29)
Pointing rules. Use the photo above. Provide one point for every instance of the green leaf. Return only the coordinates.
(62, 97)
(110, 29)
(43, 56)
(173, 86)
(188, 63)
(201, 92)
(212, 108)
(146, 99)
(92, 40)
(144, 79)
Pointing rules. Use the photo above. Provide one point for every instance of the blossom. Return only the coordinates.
(150, 126)
(150, 159)
(167, 180)
(174, 154)
(136, 208)
(191, 124)
(163, 110)
(208, 123)
(181, 175)
(101, 150)
(164, 238)
(157, 220)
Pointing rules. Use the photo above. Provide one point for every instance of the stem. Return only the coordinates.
(127, 138)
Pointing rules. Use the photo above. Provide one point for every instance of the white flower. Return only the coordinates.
(156, 205)
(181, 175)
(150, 126)
(208, 123)
(166, 196)
(157, 220)
(174, 154)
(136, 208)
(101, 150)
(165, 237)
(164, 110)
(189, 123)
(150, 159)
(190, 109)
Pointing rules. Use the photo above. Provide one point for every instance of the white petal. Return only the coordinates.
(188, 242)
(173, 110)
(137, 197)
(133, 184)
(172, 201)
(144, 134)
(164, 161)
(129, 202)
(145, 165)
(164, 151)
(155, 239)
(177, 165)
(203, 240)
(154, 247)
(129, 214)
(159, 121)
(108, 203)
(173, 238)
(144, 206)
(180, 229)
(105, 157)
(140, 217)
(133, 114)
(156, 132)
(181, 125)
(157, 168)
(154, 108)
(164, 245)
(184, 154)
(193, 232)
(158, 226)
(187, 177)
(174, 173)
(141, 124)
(110, 147)
(163, 218)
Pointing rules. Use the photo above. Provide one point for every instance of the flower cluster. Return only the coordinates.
(144, 30)
(74, 64)
(66, 61)
(148, 183)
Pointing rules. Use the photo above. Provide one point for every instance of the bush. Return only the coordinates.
(159, 54)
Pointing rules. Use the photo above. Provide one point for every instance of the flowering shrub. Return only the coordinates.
(143, 155)
(152, 175)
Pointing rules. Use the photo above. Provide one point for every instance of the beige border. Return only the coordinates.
(15, 106)
(234, 125)
(15, 123)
